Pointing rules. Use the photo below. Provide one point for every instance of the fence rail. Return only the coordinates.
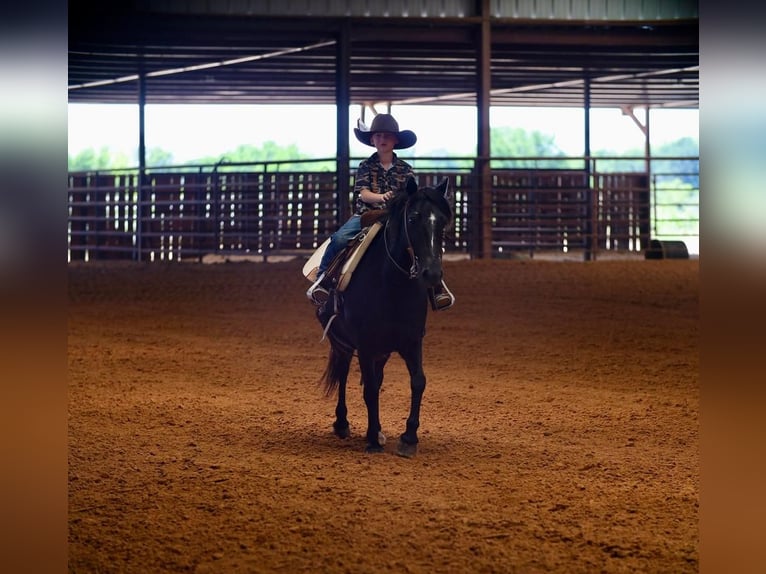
(273, 208)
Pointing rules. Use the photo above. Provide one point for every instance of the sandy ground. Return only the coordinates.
(559, 430)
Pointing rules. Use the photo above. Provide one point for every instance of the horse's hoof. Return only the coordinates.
(407, 450)
(344, 432)
(374, 449)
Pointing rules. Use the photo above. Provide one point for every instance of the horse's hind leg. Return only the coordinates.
(408, 441)
(340, 426)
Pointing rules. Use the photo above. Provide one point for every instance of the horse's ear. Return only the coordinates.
(412, 185)
(443, 188)
(441, 196)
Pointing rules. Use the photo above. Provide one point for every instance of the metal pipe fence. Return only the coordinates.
(290, 207)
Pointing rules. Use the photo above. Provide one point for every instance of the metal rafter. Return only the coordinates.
(390, 59)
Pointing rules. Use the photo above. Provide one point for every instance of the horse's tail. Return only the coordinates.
(336, 371)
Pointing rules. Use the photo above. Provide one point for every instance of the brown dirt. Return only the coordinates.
(559, 430)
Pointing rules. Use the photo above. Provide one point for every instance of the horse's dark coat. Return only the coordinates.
(385, 306)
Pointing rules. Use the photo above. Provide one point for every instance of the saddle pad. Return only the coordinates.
(356, 256)
(312, 265)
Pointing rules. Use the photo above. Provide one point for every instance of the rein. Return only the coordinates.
(415, 267)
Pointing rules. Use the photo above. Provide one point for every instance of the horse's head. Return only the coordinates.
(421, 217)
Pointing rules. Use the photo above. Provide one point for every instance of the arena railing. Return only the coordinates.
(588, 206)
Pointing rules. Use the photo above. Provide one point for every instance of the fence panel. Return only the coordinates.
(102, 216)
(623, 211)
(179, 213)
(535, 209)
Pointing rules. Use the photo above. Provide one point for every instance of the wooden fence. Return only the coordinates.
(185, 214)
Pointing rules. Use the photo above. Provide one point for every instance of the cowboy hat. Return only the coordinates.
(386, 123)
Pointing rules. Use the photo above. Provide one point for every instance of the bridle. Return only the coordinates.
(415, 266)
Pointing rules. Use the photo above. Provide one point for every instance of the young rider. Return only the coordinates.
(378, 178)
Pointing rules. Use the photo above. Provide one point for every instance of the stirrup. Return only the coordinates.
(317, 293)
(443, 300)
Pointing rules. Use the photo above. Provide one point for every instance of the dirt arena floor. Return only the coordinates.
(559, 429)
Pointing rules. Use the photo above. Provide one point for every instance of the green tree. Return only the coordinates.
(268, 152)
(158, 157)
(446, 160)
(676, 206)
(508, 142)
(683, 147)
(91, 159)
(685, 169)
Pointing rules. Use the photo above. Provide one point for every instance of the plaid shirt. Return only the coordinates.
(373, 175)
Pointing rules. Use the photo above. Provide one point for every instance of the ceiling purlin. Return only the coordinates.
(389, 60)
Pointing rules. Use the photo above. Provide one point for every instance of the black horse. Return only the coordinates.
(384, 308)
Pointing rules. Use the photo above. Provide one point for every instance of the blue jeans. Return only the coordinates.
(339, 240)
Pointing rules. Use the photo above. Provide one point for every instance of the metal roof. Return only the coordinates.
(198, 55)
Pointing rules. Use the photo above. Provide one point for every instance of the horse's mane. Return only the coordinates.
(394, 207)
(397, 203)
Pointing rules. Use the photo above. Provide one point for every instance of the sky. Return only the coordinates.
(189, 132)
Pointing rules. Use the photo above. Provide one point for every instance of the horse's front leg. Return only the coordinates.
(372, 379)
(340, 426)
(408, 441)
